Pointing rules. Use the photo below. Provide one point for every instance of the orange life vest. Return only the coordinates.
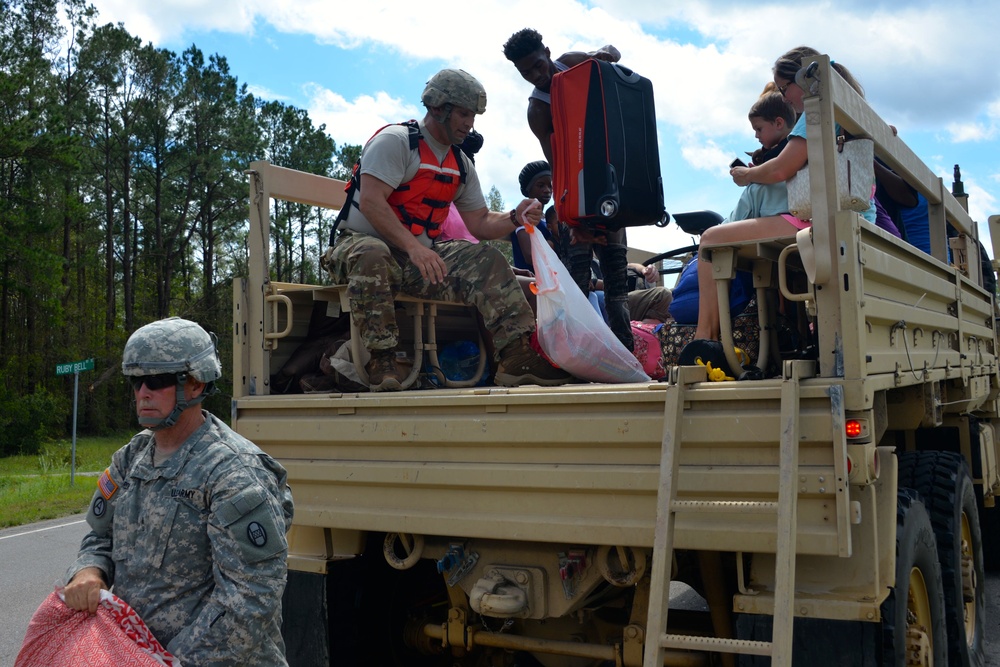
(422, 202)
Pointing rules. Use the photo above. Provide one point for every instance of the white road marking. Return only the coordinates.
(39, 530)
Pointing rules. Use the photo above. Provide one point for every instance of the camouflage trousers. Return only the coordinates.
(478, 275)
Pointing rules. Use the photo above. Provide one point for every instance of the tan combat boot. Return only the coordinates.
(519, 364)
(383, 373)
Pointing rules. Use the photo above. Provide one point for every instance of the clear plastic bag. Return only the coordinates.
(570, 331)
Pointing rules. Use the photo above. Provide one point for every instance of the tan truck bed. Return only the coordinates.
(906, 347)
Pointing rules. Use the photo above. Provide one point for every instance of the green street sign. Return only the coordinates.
(75, 367)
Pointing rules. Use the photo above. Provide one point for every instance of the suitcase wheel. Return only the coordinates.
(608, 208)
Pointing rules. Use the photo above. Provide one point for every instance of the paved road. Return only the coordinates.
(33, 557)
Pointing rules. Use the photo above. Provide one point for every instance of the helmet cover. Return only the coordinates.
(456, 87)
(173, 345)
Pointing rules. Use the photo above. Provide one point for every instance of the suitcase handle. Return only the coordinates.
(625, 74)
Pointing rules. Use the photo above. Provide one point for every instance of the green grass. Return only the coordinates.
(34, 488)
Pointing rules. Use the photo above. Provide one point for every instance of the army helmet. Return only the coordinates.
(456, 87)
(173, 345)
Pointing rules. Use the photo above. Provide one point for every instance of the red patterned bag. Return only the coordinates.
(58, 636)
(647, 350)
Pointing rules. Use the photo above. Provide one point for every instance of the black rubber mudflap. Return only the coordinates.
(304, 620)
(815, 642)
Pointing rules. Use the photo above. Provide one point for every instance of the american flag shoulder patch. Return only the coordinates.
(106, 484)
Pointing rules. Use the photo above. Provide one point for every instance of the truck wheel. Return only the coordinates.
(913, 623)
(943, 482)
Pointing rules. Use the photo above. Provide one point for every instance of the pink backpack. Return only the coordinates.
(647, 349)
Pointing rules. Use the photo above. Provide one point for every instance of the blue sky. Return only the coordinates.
(929, 68)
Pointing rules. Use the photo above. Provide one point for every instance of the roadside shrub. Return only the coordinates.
(54, 456)
(27, 421)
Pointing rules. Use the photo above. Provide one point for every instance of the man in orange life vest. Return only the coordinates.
(408, 175)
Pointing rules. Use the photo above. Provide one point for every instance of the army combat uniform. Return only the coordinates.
(196, 545)
(477, 273)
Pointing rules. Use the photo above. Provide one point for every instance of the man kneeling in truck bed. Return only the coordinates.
(399, 194)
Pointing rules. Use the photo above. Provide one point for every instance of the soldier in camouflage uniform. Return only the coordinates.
(403, 186)
(188, 523)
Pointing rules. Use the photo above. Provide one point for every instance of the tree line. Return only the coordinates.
(123, 200)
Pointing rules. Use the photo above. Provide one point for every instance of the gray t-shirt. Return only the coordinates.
(387, 157)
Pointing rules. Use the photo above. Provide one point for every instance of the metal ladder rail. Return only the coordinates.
(785, 510)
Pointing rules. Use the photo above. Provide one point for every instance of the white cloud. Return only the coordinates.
(159, 21)
(707, 59)
(982, 204)
(708, 156)
(725, 57)
(353, 122)
(264, 93)
(961, 132)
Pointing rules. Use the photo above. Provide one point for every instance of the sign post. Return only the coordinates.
(74, 367)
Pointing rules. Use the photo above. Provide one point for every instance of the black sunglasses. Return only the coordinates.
(153, 382)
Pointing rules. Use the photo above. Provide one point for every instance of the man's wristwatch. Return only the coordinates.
(513, 217)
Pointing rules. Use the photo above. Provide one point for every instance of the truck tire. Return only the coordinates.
(305, 620)
(916, 601)
(946, 489)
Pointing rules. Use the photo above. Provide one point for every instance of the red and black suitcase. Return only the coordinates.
(606, 162)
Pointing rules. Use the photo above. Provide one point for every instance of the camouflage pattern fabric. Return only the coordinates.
(478, 275)
(172, 345)
(197, 545)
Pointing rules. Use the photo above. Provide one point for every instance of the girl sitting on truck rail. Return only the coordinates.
(781, 168)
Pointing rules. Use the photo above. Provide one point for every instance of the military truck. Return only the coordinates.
(839, 510)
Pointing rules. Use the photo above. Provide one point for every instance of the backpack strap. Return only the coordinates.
(354, 182)
(462, 171)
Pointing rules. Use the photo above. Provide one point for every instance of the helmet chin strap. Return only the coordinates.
(442, 120)
(181, 403)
